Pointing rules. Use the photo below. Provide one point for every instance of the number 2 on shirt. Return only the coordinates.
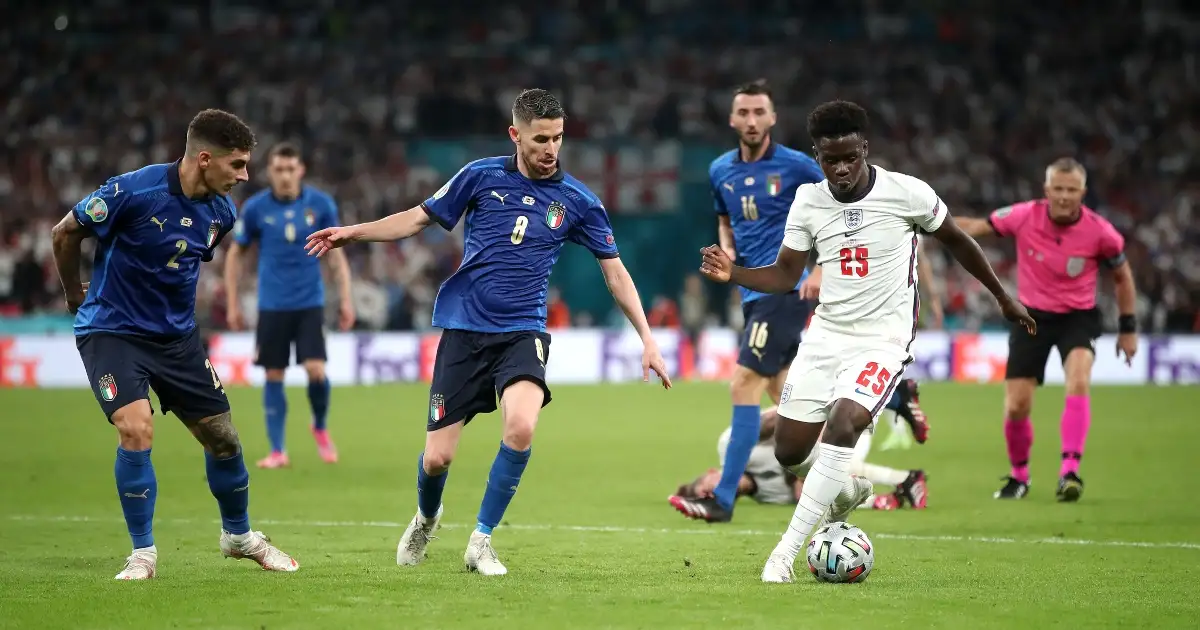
(854, 261)
(882, 377)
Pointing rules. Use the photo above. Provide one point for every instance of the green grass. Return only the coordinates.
(591, 541)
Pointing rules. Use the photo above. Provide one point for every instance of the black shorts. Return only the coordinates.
(772, 333)
(124, 368)
(472, 369)
(1027, 354)
(278, 330)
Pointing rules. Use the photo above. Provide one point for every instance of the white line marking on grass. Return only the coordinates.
(616, 529)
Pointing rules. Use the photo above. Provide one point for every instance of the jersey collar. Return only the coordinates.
(173, 185)
(511, 165)
(768, 154)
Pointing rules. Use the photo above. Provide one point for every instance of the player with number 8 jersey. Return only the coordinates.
(862, 223)
(519, 210)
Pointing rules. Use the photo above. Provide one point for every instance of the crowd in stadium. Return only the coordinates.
(961, 100)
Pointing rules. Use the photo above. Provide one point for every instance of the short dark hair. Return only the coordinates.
(284, 150)
(754, 88)
(536, 103)
(837, 119)
(218, 129)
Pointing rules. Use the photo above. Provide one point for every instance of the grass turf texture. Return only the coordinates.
(590, 540)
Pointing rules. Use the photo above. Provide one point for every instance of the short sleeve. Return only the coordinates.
(450, 202)
(246, 229)
(330, 218)
(105, 210)
(715, 188)
(1009, 220)
(926, 210)
(1112, 245)
(594, 231)
(796, 233)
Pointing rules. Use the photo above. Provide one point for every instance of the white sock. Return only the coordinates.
(239, 538)
(884, 475)
(861, 449)
(829, 475)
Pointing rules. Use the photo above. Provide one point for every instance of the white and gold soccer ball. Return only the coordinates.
(840, 553)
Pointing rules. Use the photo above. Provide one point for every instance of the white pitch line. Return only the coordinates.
(715, 530)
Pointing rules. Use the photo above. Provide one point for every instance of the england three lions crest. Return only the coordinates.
(853, 217)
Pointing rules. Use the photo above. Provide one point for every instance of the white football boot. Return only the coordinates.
(411, 549)
(778, 569)
(481, 557)
(142, 564)
(847, 502)
(257, 547)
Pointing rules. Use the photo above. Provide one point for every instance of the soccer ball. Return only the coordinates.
(840, 553)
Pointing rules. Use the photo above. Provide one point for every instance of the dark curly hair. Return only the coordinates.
(535, 104)
(218, 129)
(837, 119)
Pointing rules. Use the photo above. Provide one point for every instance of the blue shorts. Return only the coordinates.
(277, 331)
(124, 368)
(472, 370)
(772, 333)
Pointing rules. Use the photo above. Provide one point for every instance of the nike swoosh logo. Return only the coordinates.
(858, 390)
(853, 233)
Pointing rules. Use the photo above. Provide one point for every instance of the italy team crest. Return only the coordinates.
(774, 184)
(437, 407)
(213, 228)
(108, 387)
(853, 217)
(310, 217)
(555, 215)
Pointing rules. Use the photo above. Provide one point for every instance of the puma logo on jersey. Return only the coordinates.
(499, 196)
(728, 186)
(160, 224)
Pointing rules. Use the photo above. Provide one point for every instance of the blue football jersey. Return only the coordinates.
(288, 278)
(151, 240)
(757, 197)
(515, 229)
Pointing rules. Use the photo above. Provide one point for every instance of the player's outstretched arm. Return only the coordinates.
(625, 293)
(975, 228)
(925, 281)
(725, 236)
(1127, 340)
(390, 228)
(233, 269)
(780, 276)
(968, 254)
(67, 239)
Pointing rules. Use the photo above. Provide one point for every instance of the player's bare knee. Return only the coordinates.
(135, 426)
(1078, 368)
(1018, 399)
(274, 375)
(315, 371)
(217, 434)
(747, 386)
(847, 420)
(519, 428)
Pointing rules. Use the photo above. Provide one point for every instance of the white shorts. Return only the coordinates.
(832, 366)
(764, 469)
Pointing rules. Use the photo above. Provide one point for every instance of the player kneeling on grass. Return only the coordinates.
(135, 326)
(862, 222)
(520, 210)
(766, 481)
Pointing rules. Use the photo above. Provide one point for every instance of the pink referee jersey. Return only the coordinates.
(1057, 264)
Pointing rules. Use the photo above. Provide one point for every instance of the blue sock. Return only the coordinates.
(742, 439)
(501, 486)
(429, 489)
(893, 403)
(275, 408)
(230, 484)
(137, 488)
(318, 399)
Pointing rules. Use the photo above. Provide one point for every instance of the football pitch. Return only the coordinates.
(590, 541)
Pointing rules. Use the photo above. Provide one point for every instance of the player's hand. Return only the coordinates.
(327, 239)
(346, 316)
(75, 301)
(715, 264)
(652, 360)
(1127, 343)
(1014, 311)
(810, 289)
(233, 316)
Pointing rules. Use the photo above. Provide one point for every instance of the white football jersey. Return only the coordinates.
(867, 250)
